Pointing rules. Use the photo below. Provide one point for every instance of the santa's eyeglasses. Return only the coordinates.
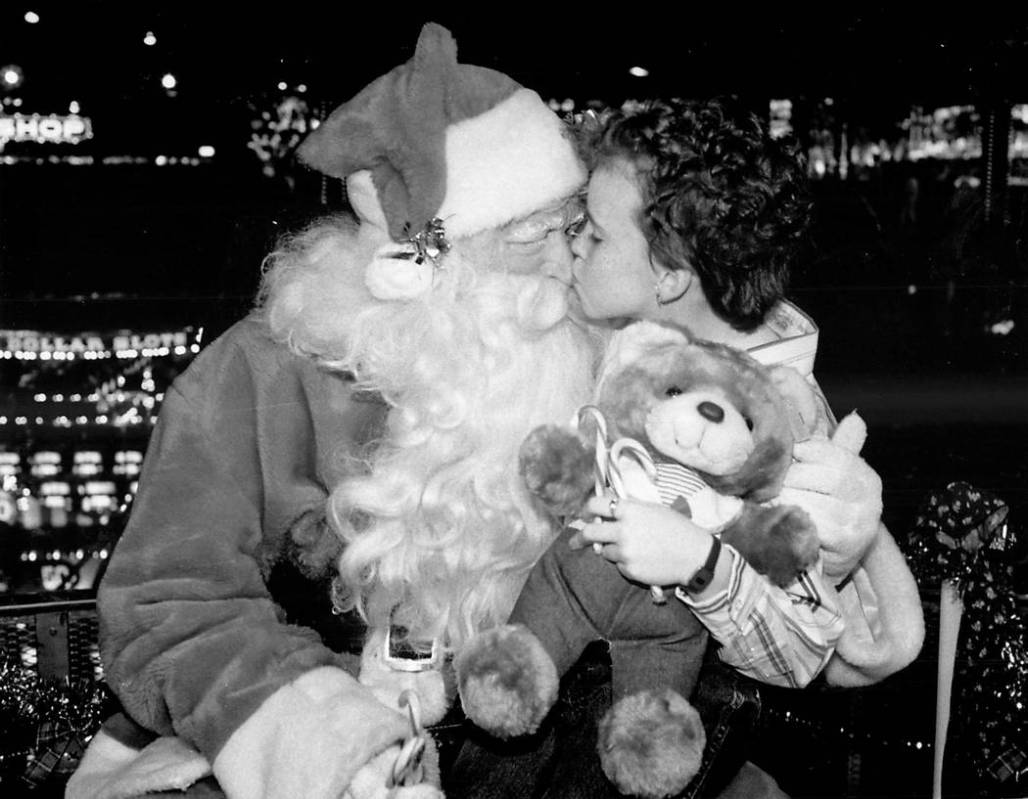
(568, 218)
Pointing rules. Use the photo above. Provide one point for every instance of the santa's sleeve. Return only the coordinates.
(191, 639)
(884, 618)
(879, 602)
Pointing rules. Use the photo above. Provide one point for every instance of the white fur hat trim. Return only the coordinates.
(506, 163)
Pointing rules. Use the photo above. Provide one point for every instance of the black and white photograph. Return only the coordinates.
(335, 341)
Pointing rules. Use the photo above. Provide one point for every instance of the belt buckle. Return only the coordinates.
(401, 655)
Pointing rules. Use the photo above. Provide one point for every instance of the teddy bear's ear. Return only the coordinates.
(800, 400)
(629, 344)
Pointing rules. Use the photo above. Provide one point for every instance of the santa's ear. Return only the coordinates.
(799, 400)
(631, 343)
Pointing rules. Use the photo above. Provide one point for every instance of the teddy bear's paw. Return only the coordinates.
(779, 541)
(506, 680)
(557, 468)
(795, 544)
(651, 744)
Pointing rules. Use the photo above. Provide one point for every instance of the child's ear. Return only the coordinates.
(672, 284)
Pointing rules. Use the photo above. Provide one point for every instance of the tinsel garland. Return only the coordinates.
(962, 535)
(45, 726)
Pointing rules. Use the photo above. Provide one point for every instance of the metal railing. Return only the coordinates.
(54, 634)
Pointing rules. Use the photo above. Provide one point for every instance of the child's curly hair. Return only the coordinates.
(719, 194)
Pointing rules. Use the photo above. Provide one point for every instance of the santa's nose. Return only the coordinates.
(711, 411)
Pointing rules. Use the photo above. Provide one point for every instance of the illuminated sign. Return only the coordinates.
(149, 341)
(13, 340)
(51, 129)
(35, 342)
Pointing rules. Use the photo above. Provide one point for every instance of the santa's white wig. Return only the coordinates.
(439, 532)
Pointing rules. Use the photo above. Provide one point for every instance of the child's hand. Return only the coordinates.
(648, 542)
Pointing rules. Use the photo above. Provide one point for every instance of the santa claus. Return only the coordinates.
(362, 423)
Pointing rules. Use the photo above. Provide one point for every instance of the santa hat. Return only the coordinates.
(437, 140)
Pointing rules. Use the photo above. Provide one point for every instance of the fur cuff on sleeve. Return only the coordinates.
(307, 739)
(884, 619)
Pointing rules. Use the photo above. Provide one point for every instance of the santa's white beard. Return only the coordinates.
(440, 533)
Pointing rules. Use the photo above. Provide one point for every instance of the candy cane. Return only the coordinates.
(608, 473)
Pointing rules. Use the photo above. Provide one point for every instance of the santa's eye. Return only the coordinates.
(674, 391)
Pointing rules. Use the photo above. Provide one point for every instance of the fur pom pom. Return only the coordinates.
(650, 744)
(557, 468)
(507, 681)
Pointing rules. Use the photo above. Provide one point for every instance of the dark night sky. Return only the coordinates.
(222, 52)
(200, 232)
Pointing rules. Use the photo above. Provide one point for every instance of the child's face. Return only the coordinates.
(612, 273)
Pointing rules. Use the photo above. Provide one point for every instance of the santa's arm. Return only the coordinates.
(884, 618)
(191, 639)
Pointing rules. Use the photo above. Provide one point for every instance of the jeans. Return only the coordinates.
(573, 597)
(560, 761)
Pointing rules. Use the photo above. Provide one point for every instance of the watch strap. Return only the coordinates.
(701, 579)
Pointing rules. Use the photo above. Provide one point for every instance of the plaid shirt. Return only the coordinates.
(778, 636)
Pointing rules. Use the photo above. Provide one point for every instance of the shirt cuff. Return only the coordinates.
(720, 599)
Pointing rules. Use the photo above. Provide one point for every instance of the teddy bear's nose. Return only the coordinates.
(711, 411)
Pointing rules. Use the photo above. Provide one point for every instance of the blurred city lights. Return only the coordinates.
(781, 118)
(206, 151)
(12, 76)
(149, 40)
(638, 72)
(282, 86)
(302, 88)
(73, 107)
(161, 160)
(31, 17)
(168, 81)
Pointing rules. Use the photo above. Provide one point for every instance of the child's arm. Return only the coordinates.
(774, 635)
(778, 636)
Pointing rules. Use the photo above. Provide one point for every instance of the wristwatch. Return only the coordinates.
(701, 579)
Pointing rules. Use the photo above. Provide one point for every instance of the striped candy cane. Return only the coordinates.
(607, 472)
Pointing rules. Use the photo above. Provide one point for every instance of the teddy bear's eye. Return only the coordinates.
(749, 424)
(674, 391)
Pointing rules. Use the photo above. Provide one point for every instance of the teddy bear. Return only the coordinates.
(690, 416)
